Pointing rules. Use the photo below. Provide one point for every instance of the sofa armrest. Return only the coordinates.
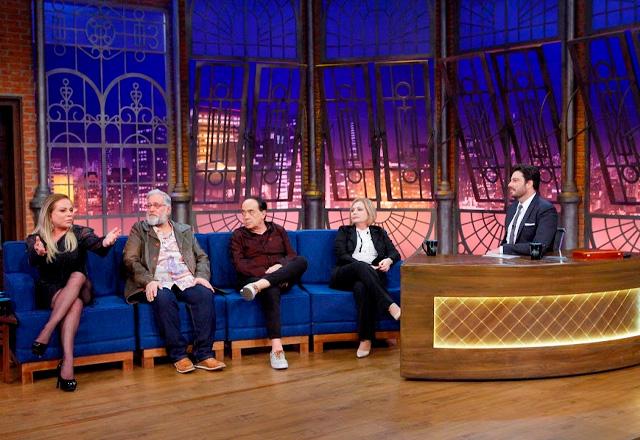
(20, 287)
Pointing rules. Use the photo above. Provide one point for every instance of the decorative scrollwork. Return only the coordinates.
(480, 231)
(358, 29)
(107, 112)
(215, 221)
(615, 232)
(490, 23)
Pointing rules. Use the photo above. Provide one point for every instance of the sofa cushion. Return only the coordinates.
(120, 271)
(223, 274)
(245, 319)
(107, 326)
(148, 334)
(15, 258)
(20, 287)
(334, 311)
(102, 273)
(318, 248)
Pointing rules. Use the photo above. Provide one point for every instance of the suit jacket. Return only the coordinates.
(347, 239)
(538, 225)
(140, 256)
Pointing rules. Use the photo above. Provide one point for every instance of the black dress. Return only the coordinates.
(54, 275)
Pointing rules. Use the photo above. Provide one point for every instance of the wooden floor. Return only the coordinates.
(326, 395)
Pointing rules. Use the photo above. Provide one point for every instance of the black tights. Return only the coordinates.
(66, 308)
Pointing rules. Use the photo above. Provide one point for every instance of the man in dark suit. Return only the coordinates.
(530, 219)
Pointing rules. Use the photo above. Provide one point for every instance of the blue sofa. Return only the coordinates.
(107, 329)
(110, 330)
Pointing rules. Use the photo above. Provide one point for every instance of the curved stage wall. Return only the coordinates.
(473, 317)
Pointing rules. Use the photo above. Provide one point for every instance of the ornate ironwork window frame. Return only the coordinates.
(143, 124)
(225, 214)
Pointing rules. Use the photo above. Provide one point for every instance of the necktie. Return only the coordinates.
(512, 235)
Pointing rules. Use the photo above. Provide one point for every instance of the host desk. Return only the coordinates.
(474, 317)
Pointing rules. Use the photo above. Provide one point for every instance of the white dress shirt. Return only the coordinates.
(518, 221)
(365, 250)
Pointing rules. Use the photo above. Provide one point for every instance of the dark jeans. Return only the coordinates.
(203, 315)
(370, 294)
(281, 281)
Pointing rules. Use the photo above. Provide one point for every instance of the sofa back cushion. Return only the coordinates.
(121, 271)
(223, 274)
(317, 246)
(15, 258)
(103, 273)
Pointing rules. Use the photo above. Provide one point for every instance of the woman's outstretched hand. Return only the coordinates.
(111, 237)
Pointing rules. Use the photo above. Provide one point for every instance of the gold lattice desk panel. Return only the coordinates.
(535, 321)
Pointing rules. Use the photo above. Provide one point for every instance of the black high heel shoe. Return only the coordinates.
(39, 348)
(65, 384)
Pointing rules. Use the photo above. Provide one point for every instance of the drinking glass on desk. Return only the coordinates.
(535, 251)
(430, 247)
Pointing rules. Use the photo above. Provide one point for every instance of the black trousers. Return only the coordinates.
(369, 292)
(281, 281)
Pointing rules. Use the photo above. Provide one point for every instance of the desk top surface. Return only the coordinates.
(508, 261)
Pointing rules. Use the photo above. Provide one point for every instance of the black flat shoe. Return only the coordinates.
(65, 384)
(39, 348)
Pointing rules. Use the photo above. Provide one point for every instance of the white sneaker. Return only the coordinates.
(278, 361)
(249, 292)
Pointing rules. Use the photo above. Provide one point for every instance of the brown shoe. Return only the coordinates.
(184, 365)
(210, 364)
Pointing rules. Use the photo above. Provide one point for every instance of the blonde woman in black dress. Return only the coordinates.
(58, 249)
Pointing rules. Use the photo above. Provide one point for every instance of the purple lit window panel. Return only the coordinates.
(229, 221)
(406, 228)
(622, 233)
(480, 231)
(252, 28)
(406, 120)
(614, 183)
(381, 28)
(218, 129)
(347, 108)
(276, 152)
(88, 182)
(162, 165)
(485, 24)
(607, 13)
(482, 161)
(95, 224)
(526, 80)
(144, 165)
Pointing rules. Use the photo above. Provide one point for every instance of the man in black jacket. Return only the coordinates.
(530, 218)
